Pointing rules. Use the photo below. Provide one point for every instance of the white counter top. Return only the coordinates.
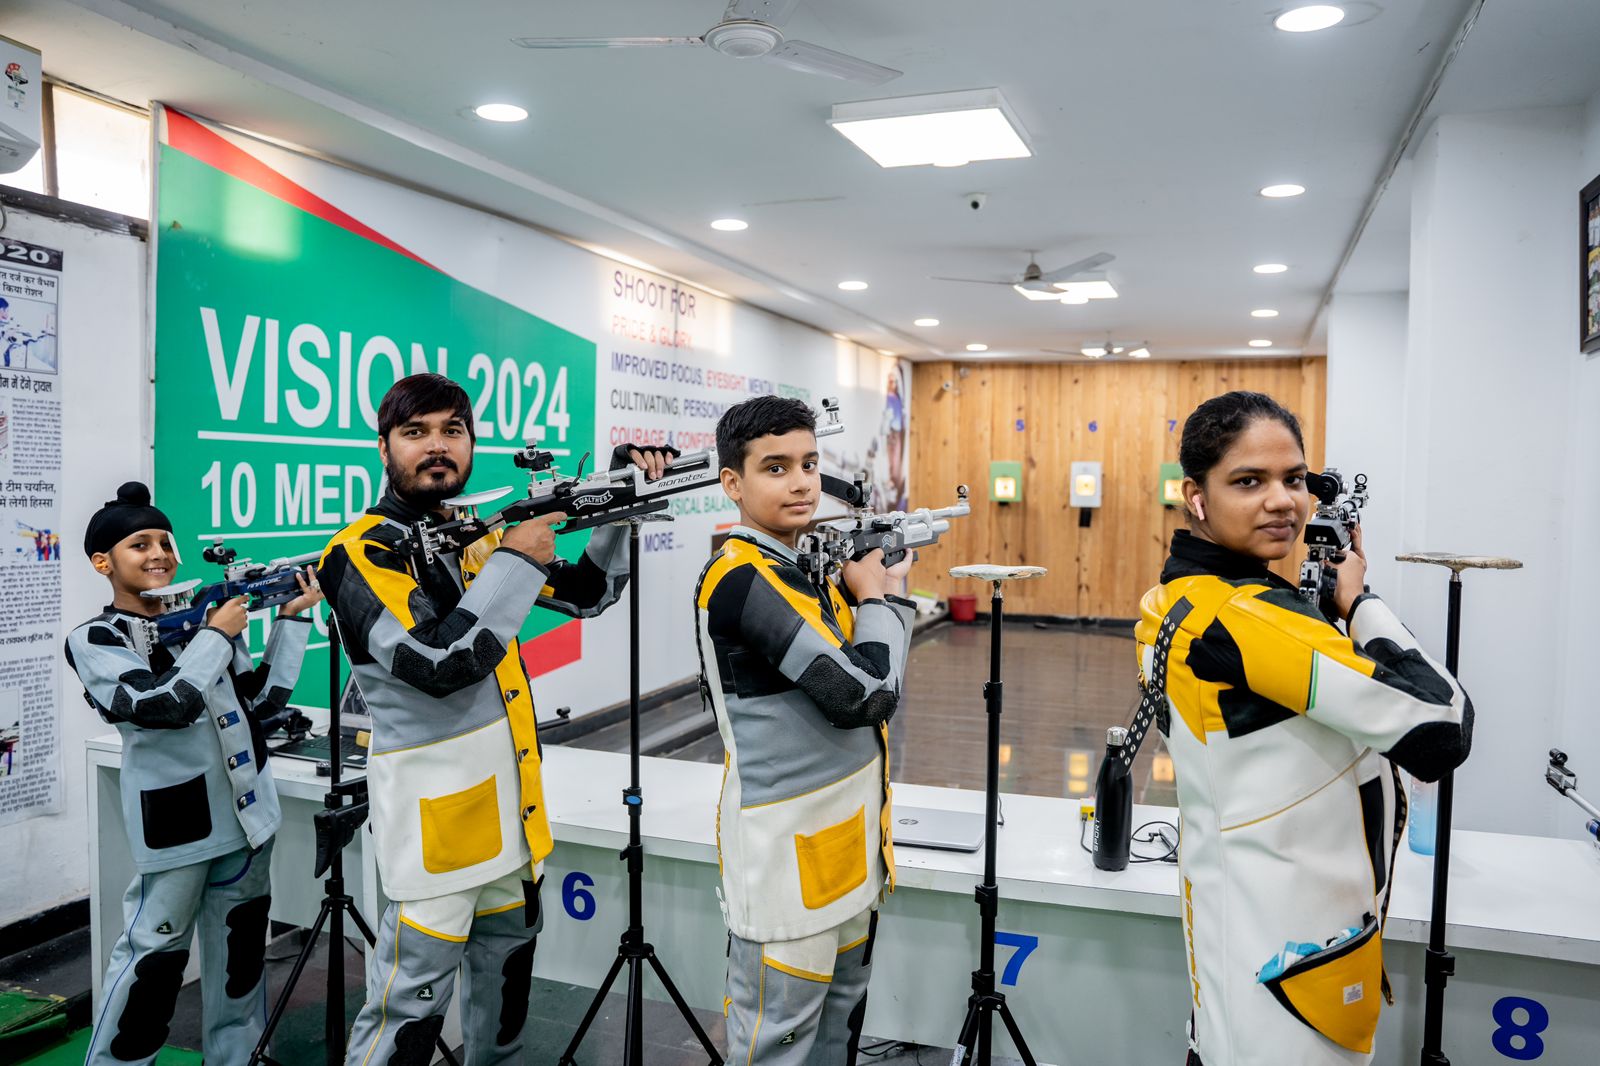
(1517, 895)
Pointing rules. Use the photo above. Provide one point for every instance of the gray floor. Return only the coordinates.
(1063, 684)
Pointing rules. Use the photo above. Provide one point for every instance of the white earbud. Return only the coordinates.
(1199, 509)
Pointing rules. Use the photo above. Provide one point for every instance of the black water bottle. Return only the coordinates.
(1113, 805)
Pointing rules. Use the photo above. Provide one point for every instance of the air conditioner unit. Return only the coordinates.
(21, 88)
(16, 149)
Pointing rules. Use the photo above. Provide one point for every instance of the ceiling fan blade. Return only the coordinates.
(1093, 262)
(772, 12)
(1039, 285)
(607, 42)
(815, 59)
(973, 281)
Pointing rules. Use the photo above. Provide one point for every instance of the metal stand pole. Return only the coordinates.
(985, 1002)
(634, 952)
(1440, 964)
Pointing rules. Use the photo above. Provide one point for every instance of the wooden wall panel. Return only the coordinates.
(1128, 416)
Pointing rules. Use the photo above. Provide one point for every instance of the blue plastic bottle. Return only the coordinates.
(1424, 818)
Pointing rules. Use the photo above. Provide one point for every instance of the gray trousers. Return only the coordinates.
(800, 1002)
(229, 898)
(489, 934)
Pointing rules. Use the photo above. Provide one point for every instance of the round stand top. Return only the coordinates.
(994, 572)
(1459, 563)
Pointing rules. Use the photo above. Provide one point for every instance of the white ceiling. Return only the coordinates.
(1154, 122)
(1519, 54)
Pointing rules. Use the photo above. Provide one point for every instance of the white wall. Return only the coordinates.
(103, 385)
(1366, 387)
(1493, 440)
(1578, 731)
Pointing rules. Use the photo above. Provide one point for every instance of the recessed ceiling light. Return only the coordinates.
(926, 322)
(1094, 351)
(1270, 268)
(1089, 286)
(1279, 192)
(852, 286)
(729, 225)
(501, 112)
(977, 347)
(1260, 344)
(1310, 18)
(1074, 298)
(1139, 353)
(939, 129)
(1263, 312)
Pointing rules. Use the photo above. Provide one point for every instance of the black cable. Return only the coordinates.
(882, 1048)
(1170, 855)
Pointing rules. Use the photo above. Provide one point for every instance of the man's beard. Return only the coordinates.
(418, 486)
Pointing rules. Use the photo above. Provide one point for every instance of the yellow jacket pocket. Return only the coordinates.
(832, 861)
(1336, 991)
(461, 829)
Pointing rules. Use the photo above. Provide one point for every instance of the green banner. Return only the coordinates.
(277, 334)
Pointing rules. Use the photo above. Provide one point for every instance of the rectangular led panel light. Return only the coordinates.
(938, 129)
(1089, 288)
(1038, 294)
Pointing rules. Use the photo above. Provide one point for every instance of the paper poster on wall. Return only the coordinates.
(30, 541)
(291, 293)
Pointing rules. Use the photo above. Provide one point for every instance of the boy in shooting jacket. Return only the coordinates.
(803, 687)
(197, 796)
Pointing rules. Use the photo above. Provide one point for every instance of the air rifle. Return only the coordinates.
(186, 603)
(594, 500)
(833, 542)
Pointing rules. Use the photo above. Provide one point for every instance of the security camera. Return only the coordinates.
(976, 200)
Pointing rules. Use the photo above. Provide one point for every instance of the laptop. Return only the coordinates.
(925, 827)
(353, 721)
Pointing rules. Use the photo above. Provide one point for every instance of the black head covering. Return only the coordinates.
(122, 517)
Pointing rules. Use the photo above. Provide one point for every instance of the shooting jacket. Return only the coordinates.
(803, 689)
(1284, 734)
(195, 781)
(453, 769)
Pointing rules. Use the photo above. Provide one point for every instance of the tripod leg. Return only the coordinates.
(969, 1028)
(300, 961)
(360, 922)
(633, 1022)
(1016, 1034)
(684, 1009)
(594, 1009)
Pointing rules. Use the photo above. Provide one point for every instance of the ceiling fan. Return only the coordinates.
(1037, 284)
(1109, 346)
(748, 30)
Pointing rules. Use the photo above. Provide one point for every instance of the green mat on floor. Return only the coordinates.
(72, 1052)
(29, 1021)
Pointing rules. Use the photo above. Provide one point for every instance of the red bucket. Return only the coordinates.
(964, 609)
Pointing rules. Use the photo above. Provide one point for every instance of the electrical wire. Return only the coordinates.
(1170, 855)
